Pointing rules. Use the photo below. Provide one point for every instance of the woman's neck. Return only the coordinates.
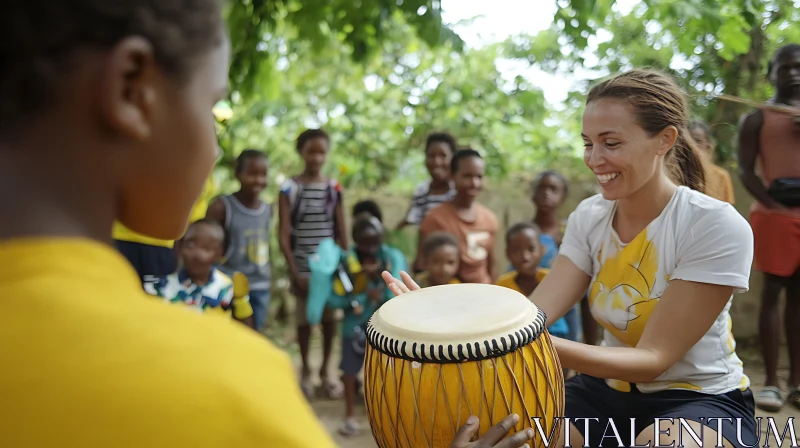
(635, 212)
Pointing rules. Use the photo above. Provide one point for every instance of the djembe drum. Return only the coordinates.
(440, 354)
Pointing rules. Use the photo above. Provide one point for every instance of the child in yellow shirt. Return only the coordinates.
(524, 251)
(442, 253)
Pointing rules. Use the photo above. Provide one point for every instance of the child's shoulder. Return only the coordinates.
(166, 286)
(506, 278)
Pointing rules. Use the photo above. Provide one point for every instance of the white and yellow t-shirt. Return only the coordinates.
(696, 238)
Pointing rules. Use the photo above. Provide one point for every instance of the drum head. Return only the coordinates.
(455, 323)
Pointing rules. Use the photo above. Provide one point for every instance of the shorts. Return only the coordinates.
(147, 260)
(590, 397)
(353, 349)
(259, 300)
(776, 242)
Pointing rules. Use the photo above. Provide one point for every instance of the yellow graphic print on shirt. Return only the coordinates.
(620, 295)
(257, 246)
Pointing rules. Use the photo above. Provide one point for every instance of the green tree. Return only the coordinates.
(380, 110)
(361, 25)
(710, 47)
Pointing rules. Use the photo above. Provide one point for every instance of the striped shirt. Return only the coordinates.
(312, 215)
(422, 202)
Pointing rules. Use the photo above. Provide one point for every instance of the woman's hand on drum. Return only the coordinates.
(492, 438)
(407, 284)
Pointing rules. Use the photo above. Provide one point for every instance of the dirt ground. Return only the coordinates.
(331, 412)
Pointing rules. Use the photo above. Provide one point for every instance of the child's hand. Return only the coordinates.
(400, 287)
(494, 436)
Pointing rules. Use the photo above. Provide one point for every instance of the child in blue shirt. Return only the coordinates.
(357, 288)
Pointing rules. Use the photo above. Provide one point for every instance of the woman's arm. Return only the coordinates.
(682, 316)
(562, 288)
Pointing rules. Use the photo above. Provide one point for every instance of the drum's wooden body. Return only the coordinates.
(438, 355)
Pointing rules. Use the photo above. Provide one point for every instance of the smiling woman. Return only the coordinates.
(661, 261)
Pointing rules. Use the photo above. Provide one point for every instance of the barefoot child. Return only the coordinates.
(310, 210)
(356, 287)
(199, 284)
(443, 254)
(246, 220)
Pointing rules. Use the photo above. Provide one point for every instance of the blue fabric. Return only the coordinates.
(322, 265)
(321, 293)
(550, 249)
(259, 301)
(562, 328)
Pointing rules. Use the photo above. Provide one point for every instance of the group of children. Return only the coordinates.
(456, 244)
(233, 240)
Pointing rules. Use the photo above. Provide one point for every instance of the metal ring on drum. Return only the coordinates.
(437, 355)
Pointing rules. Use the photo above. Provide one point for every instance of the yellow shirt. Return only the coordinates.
(509, 279)
(89, 360)
(122, 233)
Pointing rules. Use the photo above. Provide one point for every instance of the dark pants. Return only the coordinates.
(147, 260)
(590, 397)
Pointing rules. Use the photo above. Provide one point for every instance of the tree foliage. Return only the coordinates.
(711, 47)
(380, 75)
(360, 24)
(379, 111)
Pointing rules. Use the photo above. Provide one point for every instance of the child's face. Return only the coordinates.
(201, 248)
(469, 177)
(314, 154)
(548, 194)
(437, 160)
(524, 252)
(442, 265)
(166, 129)
(253, 175)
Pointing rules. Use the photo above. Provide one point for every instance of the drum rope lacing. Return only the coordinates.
(454, 353)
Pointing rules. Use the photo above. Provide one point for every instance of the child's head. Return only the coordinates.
(127, 88)
(251, 171)
(467, 171)
(367, 207)
(700, 134)
(523, 249)
(439, 151)
(549, 190)
(368, 236)
(442, 257)
(313, 146)
(202, 246)
(784, 71)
